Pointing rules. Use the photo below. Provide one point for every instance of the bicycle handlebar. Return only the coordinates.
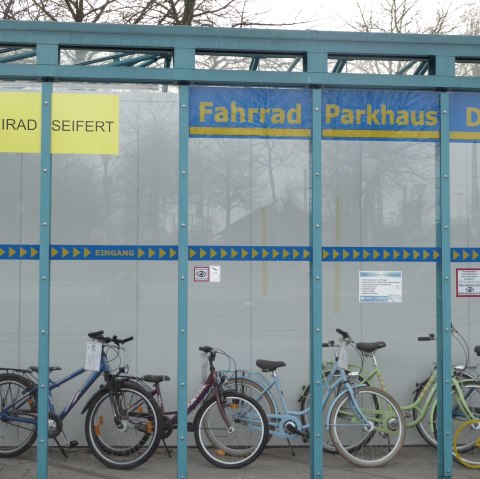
(98, 335)
(328, 344)
(430, 337)
(344, 334)
(205, 349)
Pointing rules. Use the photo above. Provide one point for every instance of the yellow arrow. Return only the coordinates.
(234, 253)
(474, 255)
(151, 252)
(244, 253)
(455, 255)
(33, 252)
(254, 253)
(325, 254)
(465, 254)
(192, 253)
(366, 254)
(86, 252)
(426, 254)
(223, 253)
(65, 252)
(386, 254)
(54, 252)
(306, 253)
(76, 252)
(436, 254)
(11, 252)
(172, 253)
(285, 253)
(2, 252)
(23, 252)
(140, 252)
(406, 254)
(213, 253)
(275, 253)
(416, 254)
(376, 254)
(336, 254)
(264, 253)
(202, 253)
(356, 254)
(346, 254)
(396, 254)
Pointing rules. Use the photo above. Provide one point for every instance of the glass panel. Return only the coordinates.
(115, 228)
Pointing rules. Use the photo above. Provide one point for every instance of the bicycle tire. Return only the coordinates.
(387, 423)
(305, 404)
(424, 427)
(460, 416)
(469, 457)
(243, 442)
(134, 437)
(17, 437)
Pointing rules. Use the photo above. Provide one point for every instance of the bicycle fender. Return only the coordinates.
(93, 399)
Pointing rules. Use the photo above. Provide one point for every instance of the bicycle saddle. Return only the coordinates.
(370, 347)
(477, 350)
(269, 366)
(50, 369)
(151, 378)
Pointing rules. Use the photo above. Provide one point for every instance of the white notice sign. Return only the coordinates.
(215, 273)
(93, 356)
(468, 283)
(380, 287)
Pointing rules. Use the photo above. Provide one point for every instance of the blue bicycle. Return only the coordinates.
(123, 425)
(364, 424)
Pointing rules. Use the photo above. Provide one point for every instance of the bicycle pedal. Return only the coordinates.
(72, 444)
(190, 427)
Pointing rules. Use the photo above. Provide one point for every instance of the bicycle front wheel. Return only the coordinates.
(468, 432)
(124, 427)
(18, 426)
(236, 442)
(370, 443)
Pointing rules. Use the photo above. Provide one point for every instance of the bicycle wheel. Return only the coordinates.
(252, 389)
(460, 415)
(425, 426)
(128, 437)
(376, 443)
(241, 441)
(305, 404)
(468, 433)
(16, 436)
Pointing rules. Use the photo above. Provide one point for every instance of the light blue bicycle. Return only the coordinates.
(364, 424)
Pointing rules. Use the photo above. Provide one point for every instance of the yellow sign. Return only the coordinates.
(81, 123)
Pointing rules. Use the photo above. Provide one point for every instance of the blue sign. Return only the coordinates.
(250, 112)
(380, 115)
(465, 117)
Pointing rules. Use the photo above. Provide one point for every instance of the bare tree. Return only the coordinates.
(224, 13)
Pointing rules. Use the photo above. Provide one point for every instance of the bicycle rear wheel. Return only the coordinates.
(241, 441)
(468, 433)
(367, 445)
(127, 437)
(16, 435)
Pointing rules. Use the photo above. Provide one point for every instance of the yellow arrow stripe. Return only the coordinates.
(23, 252)
(151, 252)
(86, 252)
(11, 252)
(254, 253)
(76, 252)
(141, 252)
(244, 253)
(203, 253)
(65, 252)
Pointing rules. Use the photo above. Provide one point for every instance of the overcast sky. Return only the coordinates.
(335, 14)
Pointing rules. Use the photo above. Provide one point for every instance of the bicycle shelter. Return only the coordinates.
(251, 188)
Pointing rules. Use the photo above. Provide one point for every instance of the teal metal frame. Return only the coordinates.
(32, 52)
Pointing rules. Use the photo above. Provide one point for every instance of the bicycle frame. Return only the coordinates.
(5, 415)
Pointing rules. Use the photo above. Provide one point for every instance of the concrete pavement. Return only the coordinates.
(275, 463)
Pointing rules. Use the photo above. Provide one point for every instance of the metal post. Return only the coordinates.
(444, 357)
(182, 286)
(316, 417)
(44, 282)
